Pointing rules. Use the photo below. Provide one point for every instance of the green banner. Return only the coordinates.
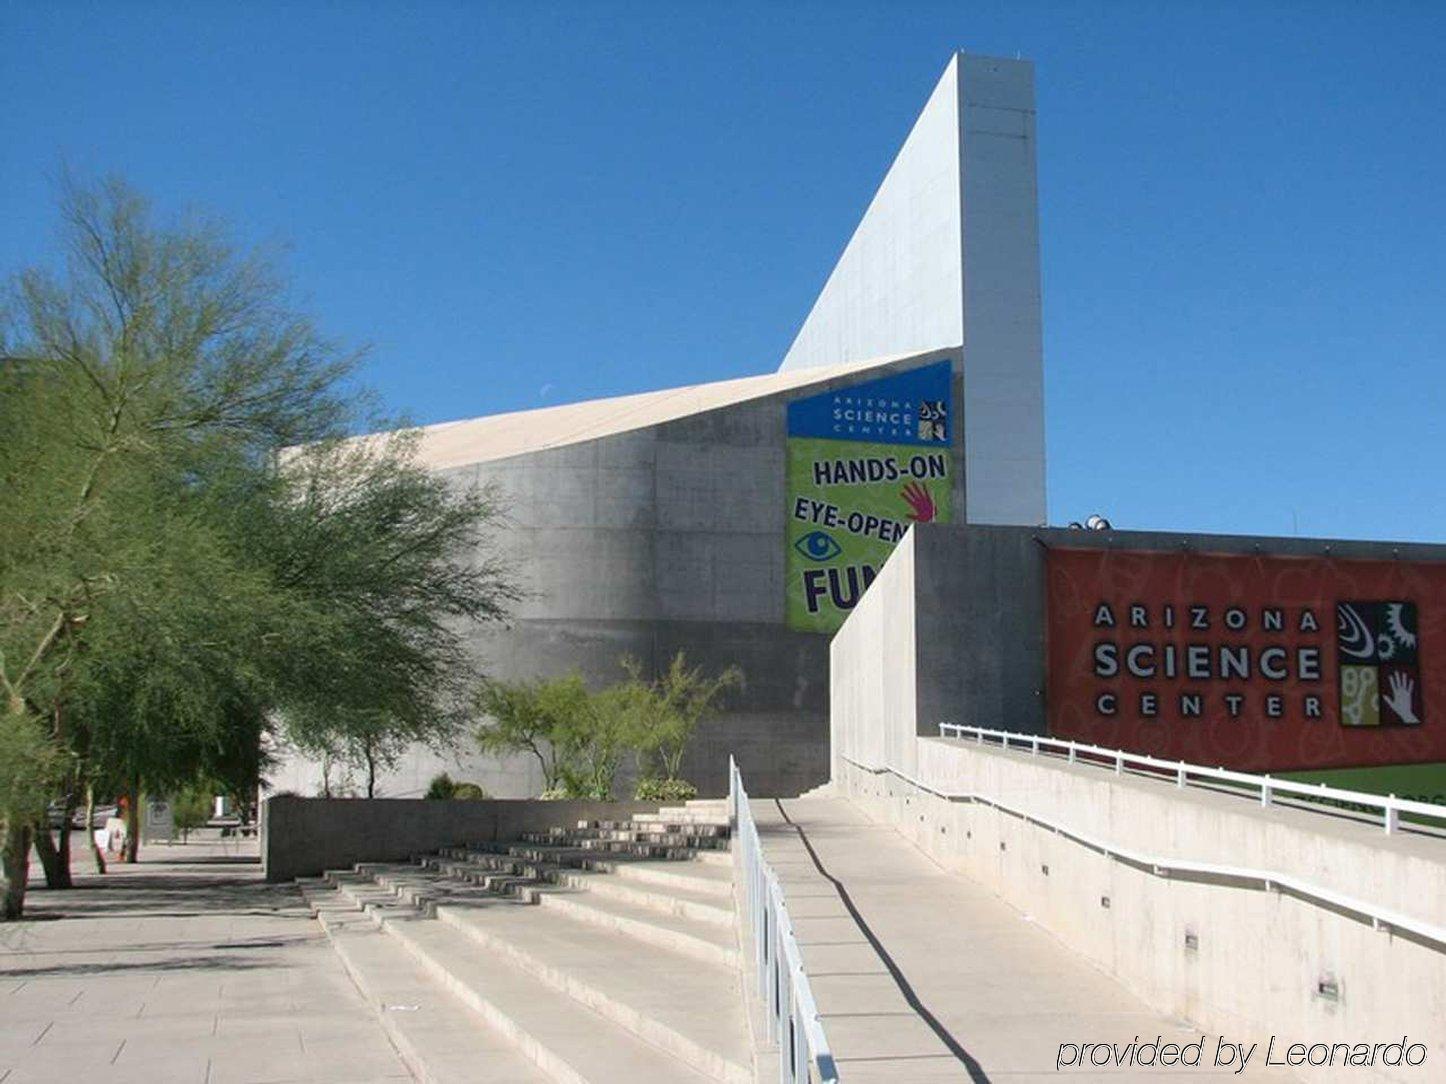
(849, 501)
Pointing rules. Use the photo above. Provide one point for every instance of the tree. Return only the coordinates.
(601, 735)
(26, 763)
(387, 564)
(159, 350)
(681, 697)
(191, 809)
(578, 737)
(190, 546)
(537, 718)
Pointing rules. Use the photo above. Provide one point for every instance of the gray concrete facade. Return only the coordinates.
(671, 539)
(650, 541)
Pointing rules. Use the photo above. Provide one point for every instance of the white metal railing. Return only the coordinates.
(782, 983)
(1381, 918)
(1184, 774)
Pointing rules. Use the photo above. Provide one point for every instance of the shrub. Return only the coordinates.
(191, 808)
(665, 790)
(441, 786)
(675, 704)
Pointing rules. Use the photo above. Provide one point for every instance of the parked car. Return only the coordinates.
(103, 813)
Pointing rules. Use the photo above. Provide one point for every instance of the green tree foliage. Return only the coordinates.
(191, 809)
(681, 698)
(581, 738)
(535, 718)
(386, 563)
(600, 736)
(192, 553)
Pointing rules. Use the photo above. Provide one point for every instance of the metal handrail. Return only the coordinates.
(1390, 806)
(1381, 918)
(782, 983)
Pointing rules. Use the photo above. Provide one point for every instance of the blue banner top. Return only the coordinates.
(911, 407)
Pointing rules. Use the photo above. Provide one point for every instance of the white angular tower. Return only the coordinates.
(948, 254)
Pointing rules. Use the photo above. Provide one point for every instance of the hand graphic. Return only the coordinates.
(917, 498)
(1400, 698)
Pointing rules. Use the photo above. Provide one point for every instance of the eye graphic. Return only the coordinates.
(818, 546)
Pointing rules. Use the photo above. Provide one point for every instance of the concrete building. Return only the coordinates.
(1225, 650)
(667, 521)
(948, 252)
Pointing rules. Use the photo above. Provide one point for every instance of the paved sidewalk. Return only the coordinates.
(184, 969)
(1002, 994)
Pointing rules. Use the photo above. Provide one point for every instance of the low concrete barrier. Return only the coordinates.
(302, 837)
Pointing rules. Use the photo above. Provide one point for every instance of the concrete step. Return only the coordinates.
(647, 829)
(549, 850)
(687, 1007)
(660, 833)
(714, 858)
(707, 872)
(565, 1039)
(508, 992)
(688, 937)
(576, 856)
(704, 878)
(715, 820)
(567, 854)
(697, 807)
(646, 822)
(593, 837)
(496, 873)
(440, 1040)
(706, 906)
(424, 887)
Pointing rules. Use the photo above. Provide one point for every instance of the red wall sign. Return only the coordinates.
(1251, 662)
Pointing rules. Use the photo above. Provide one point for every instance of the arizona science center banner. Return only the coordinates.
(1252, 662)
(864, 462)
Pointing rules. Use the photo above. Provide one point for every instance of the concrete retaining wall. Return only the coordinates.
(302, 837)
(1228, 956)
(872, 675)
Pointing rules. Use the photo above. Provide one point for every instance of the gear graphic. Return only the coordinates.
(1396, 625)
(1385, 647)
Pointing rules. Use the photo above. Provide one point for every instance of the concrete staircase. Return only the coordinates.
(603, 953)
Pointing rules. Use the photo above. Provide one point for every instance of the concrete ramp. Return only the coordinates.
(923, 975)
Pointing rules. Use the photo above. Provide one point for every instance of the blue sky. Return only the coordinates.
(1243, 208)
